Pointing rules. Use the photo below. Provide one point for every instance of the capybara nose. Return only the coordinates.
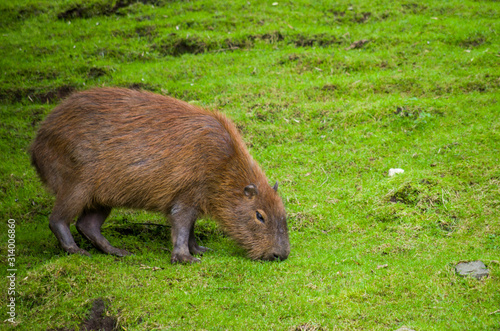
(280, 257)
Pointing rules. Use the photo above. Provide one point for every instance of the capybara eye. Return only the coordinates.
(259, 217)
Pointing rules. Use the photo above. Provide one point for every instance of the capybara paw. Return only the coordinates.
(198, 250)
(179, 258)
(76, 250)
(119, 252)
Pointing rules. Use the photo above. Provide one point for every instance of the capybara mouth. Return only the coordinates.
(275, 257)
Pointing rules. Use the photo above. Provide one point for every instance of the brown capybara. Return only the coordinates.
(114, 147)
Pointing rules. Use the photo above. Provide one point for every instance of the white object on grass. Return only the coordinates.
(392, 172)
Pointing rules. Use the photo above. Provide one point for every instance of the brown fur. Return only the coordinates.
(112, 147)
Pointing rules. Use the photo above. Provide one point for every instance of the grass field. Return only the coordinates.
(328, 96)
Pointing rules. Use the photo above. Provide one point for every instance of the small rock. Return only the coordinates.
(392, 172)
(404, 328)
(476, 269)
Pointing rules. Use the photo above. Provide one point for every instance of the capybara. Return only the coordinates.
(115, 147)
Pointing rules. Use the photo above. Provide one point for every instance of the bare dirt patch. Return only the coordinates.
(40, 95)
(100, 9)
(97, 320)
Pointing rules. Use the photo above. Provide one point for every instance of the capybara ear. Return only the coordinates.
(275, 187)
(251, 190)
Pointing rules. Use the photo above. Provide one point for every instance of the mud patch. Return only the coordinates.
(96, 72)
(321, 40)
(471, 42)
(39, 95)
(350, 16)
(271, 37)
(329, 87)
(97, 320)
(148, 31)
(362, 17)
(102, 8)
(470, 87)
(143, 86)
(175, 45)
(413, 7)
(55, 94)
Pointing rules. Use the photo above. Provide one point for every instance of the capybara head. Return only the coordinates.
(259, 224)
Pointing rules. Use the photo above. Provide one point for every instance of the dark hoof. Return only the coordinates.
(184, 259)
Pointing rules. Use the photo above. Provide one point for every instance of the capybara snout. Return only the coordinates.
(113, 147)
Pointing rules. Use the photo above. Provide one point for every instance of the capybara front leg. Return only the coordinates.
(89, 225)
(194, 248)
(183, 219)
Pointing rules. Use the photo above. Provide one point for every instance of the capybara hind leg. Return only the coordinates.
(183, 219)
(194, 248)
(89, 225)
(60, 227)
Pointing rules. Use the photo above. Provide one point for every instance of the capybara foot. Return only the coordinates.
(198, 250)
(179, 258)
(76, 250)
(118, 252)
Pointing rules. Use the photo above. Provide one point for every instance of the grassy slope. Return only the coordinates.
(325, 121)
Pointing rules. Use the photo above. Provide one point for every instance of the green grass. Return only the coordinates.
(327, 121)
